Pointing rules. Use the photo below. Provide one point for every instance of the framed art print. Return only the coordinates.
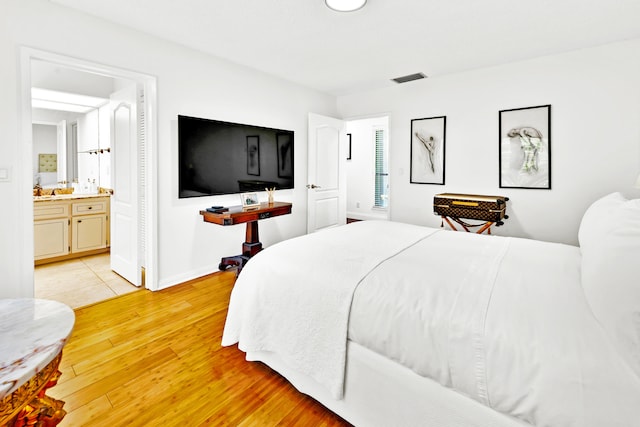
(525, 147)
(428, 150)
(284, 153)
(253, 155)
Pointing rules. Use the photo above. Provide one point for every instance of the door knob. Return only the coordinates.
(312, 186)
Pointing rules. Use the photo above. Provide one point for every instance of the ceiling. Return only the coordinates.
(340, 53)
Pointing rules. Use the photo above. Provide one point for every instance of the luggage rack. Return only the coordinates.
(484, 226)
(456, 207)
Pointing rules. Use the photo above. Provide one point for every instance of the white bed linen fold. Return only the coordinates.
(288, 300)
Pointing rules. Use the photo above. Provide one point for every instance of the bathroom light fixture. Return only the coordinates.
(345, 5)
(63, 101)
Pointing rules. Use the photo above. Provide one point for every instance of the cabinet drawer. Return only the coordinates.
(49, 210)
(88, 207)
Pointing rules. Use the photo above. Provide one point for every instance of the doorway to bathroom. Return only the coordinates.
(99, 117)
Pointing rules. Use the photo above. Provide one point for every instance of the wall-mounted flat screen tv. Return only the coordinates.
(216, 157)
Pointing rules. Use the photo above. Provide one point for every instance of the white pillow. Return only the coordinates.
(609, 238)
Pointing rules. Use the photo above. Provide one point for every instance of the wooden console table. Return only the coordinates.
(250, 216)
(33, 333)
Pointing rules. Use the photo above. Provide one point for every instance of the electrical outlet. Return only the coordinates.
(357, 204)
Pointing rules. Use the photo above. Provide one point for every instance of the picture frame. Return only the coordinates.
(525, 147)
(284, 146)
(249, 200)
(348, 146)
(427, 150)
(253, 155)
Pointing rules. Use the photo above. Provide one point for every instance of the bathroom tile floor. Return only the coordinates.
(80, 282)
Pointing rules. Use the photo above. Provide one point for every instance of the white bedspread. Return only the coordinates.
(501, 320)
(294, 299)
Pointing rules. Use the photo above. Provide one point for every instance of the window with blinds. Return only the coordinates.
(382, 175)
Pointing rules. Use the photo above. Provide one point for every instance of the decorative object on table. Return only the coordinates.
(525, 147)
(217, 209)
(47, 162)
(249, 200)
(284, 145)
(348, 146)
(253, 155)
(270, 192)
(428, 150)
(455, 207)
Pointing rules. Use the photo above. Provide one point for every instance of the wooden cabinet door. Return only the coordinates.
(89, 232)
(51, 238)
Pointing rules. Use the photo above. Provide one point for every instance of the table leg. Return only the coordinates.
(250, 247)
(486, 226)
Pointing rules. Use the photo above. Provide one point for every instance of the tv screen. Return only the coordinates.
(216, 157)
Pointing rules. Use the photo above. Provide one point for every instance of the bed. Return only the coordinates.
(396, 324)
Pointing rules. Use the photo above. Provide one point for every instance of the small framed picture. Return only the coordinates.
(249, 200)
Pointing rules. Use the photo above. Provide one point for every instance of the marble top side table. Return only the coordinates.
(32, 335)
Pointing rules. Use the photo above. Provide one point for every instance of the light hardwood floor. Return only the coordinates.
(154, 359)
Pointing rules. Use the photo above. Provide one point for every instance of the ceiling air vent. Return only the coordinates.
(410, 77)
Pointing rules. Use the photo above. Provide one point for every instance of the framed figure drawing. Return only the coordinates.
(253, 155)
(525, 147)
(428, 150)
(284, 146)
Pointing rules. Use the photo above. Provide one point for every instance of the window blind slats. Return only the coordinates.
(382, 176)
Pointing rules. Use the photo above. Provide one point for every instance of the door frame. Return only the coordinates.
(25, 153)
(388, 116)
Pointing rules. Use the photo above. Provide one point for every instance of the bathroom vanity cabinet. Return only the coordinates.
(69, 226)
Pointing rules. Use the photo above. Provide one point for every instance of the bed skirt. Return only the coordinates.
(380, 392)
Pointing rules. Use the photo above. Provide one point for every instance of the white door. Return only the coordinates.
(124, 174)
(326, 184)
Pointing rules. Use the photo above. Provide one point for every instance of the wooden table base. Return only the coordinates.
(29, 406)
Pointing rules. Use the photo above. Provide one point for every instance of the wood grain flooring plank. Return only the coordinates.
(155, 359)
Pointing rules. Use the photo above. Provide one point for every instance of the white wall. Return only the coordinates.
(361, 168)
(189, 83)
(595, 135)
(45, 141)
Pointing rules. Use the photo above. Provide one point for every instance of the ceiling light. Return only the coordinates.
(345, 5)
(63, 101)
(59, 106)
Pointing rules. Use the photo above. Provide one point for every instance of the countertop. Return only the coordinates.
(68, 197)
(32, 333)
